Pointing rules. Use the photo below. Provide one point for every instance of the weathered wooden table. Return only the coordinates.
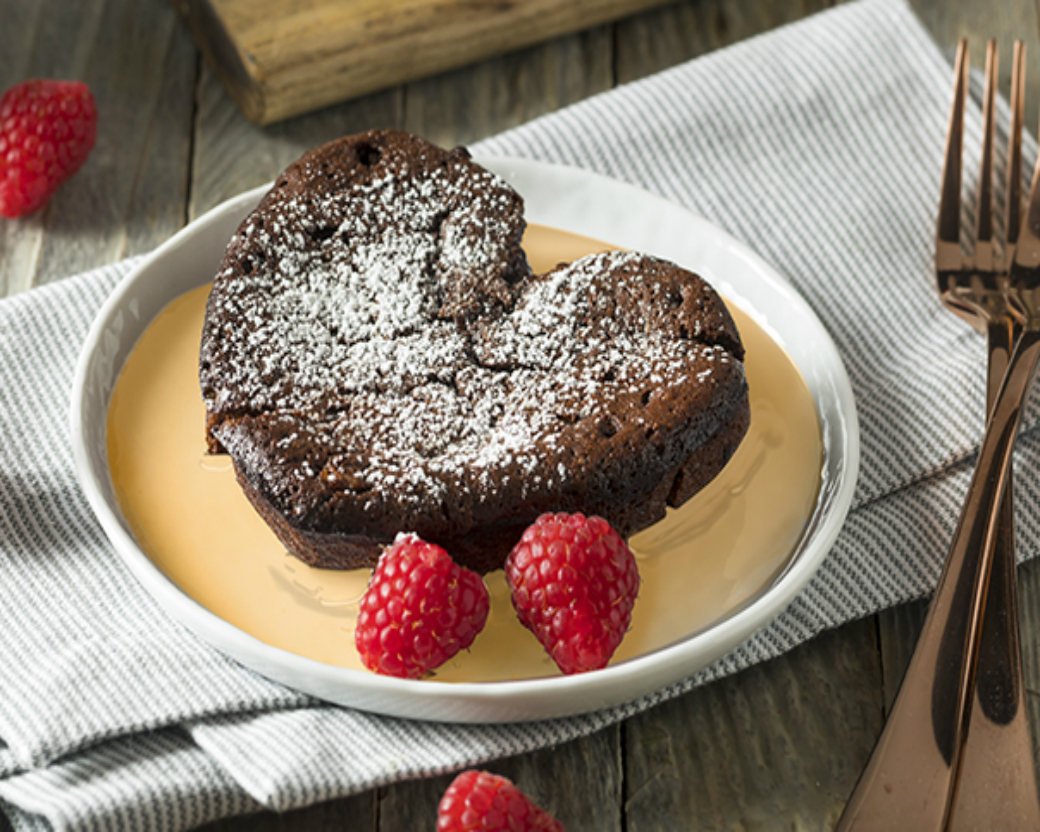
(776, 747)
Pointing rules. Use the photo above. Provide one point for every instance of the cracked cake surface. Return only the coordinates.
(377, 357)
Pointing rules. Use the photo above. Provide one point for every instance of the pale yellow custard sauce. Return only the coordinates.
(702, 562)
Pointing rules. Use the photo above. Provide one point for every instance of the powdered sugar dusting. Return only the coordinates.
(340, 331)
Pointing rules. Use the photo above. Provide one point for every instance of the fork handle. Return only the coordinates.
(908, 781)
(996, 784)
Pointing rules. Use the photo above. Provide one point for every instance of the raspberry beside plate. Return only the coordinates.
(47, 130)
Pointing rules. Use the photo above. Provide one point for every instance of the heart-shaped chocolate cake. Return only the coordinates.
(377, 357)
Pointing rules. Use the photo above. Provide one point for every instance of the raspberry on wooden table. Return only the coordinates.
(47, 130)
(420, 609)
(574, 582)
(478, 800)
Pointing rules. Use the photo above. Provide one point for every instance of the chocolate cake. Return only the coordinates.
(377, 357)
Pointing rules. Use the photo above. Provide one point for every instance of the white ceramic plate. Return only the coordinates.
(565, 198)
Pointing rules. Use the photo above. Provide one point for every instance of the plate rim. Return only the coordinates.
(506, 700)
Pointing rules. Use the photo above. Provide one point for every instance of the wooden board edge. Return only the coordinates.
(270, 94)
(240, 76)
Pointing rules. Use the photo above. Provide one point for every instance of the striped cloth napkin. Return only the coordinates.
(819, 144)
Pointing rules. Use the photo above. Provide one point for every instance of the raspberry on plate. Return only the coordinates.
(420, 609)
(574, 582)
(478, 800)
(47, 130)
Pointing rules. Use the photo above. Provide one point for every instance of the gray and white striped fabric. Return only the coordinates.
(819, 144)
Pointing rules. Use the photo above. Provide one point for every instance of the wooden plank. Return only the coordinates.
(579, 782)
(465, 105)
(357, 814)
(280, 58)
(1029, 623)
(130, 195)
(898, 629)
(667, 36)
(779, 746)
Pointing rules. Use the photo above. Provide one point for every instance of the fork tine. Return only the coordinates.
(984, 201)
(1025, 262)
(947, 238)
(1013, 210)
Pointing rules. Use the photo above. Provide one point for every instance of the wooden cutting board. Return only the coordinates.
(280, 58)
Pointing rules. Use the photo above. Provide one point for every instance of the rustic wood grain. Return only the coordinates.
(350, 814)
(1029, 622)
(280, 58)
(463, 106)
(898, 629)
(130, 195)
(777, 747)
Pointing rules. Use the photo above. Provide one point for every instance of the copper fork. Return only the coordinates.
(956, 751)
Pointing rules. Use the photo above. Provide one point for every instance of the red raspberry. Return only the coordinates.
(477, 800)
(574, 582)
(420, 609)
(47, 129)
